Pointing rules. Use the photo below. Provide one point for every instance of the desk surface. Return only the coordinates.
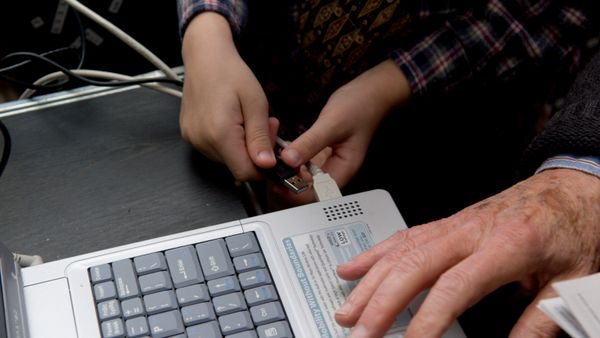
(105, 171)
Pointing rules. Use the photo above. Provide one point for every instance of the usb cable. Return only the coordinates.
(324, 186)
(282, 173)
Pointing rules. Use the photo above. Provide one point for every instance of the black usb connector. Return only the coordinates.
(281, 173)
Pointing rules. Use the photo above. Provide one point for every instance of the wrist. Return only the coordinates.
(207, 32)
(390, 85)
(580, 183)
(384, 85)
(588, 164)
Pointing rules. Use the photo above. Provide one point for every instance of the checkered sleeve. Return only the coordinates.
(234, 10)
(492, 42)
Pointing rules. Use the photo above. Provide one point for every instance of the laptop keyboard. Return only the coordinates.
(218, 288)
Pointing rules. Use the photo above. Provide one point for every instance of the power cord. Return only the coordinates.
(82, 54)
(84, 79)
(23, 63)
(55, 80)
(87, 73)
(116, 31)
(324, 186)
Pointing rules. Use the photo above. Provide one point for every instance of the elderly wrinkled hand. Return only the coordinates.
(541, 230)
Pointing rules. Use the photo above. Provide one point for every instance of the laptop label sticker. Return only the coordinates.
(314, 257)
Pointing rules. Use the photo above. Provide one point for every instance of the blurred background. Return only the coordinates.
(42, 26)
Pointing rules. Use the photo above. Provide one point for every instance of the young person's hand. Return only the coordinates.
(224, 111)
(542, 230)
(342, 132)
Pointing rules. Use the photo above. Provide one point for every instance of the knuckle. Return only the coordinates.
(405, 239)
(452, 283)
(258, 137)
(415, 260)
(519, 237)
(379, 301)
(309, 141)
(423, 324)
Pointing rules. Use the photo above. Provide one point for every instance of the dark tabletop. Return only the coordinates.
(106, 171)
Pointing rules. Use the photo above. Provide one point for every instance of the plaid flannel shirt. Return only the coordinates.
(491, 41)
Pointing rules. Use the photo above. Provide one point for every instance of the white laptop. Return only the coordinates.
(271, 275)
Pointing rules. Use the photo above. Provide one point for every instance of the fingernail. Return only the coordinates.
(344, 310)
(341, 265)
(359, 332)
(292, 156)
(265, 156)
(345, 265)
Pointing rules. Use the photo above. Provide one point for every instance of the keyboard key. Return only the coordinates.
(266, 313)
(206, 330)
(157, 281)
(254, 278)
(104, 291)
(137, 327)
(109, 309)
(235, 322)
(261, 294)
(192, 294)
(125, 279)
(275, 330)
(150, 263)
(242, 244)
(160, 301)
(249, 262)
(224, 285)
(132, 307)
(184, 266)
(214, 259)
(100, 273)
(166, 324)
(228, 303)
(113, 328)
(198, 313)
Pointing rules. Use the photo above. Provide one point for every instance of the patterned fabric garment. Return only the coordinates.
(449, 41)
(340, 39)
(437, 44)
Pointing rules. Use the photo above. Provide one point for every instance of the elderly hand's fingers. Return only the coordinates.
(403, 240)
(533, 322)
(494, 265)
(395, 280)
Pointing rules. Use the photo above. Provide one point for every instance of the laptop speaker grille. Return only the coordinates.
(343, 210)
